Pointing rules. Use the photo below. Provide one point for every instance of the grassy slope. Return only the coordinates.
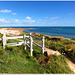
(66, 47)
(17, 60)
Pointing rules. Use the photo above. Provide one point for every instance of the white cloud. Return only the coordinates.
(28, 21)
(7, 21)
(13, 13)
(15, 21)
(28, 17)
(46, 17)
(5, 11)
(52, 18)
(40, 20)
(3, 20)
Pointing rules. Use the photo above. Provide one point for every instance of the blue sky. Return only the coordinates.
(37, 13)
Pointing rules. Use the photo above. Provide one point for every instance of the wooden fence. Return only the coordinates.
(25, 43)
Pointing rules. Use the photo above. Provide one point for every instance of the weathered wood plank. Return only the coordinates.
(16, 44)
(25, 42)
(28, 45)
(28, 38)
(14, 37)
(4, 40)
(36, 37)
(37, 44)
(43, 44)
(0, 38)
(31, 46)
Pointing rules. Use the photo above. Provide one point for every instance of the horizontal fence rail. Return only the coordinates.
(25, 43)
(37, 44)
(16, 44)
(28, 38)
(36, 37)
(15, 37)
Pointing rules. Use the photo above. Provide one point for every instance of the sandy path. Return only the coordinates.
(51, 52)
(68, 61)
(71, 64)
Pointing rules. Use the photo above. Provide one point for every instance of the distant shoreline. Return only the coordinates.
(17, 31)
(12, 31)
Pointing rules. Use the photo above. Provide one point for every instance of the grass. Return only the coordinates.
(12, 41)
(16, 60)
(19, 61)
(56, 65)
(66, 47)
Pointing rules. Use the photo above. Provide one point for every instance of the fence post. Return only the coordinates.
(25, 42)
(43, 44)
(4, 40)
(30, 35)
(31, 46)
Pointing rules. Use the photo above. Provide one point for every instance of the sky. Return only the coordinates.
(37, 13)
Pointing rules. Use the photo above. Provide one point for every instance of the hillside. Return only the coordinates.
(15, 60)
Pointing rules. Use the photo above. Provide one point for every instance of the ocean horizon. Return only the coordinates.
(66, 32)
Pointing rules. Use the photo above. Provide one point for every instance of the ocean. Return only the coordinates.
(66, 32)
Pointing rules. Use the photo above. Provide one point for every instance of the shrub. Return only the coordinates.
(52, 45)
(67, 47)
(73, 39)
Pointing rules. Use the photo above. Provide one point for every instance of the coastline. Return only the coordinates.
(12, 31)
(56, 37)
(17, 31)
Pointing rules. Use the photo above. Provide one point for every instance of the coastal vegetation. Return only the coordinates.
(14, 59)
(65, 47)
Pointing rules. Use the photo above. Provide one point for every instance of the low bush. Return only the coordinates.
(73, 39)
(64, 46)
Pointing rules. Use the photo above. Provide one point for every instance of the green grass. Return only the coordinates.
(16, 60)
(12, 41)
(1, 35)
(65, 46)
(17, 64)
(57, 65)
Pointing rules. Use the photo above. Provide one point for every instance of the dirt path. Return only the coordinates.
(69, 62)
(51, 52)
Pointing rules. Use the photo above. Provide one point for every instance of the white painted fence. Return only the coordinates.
(42, 39)
(25, 43)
